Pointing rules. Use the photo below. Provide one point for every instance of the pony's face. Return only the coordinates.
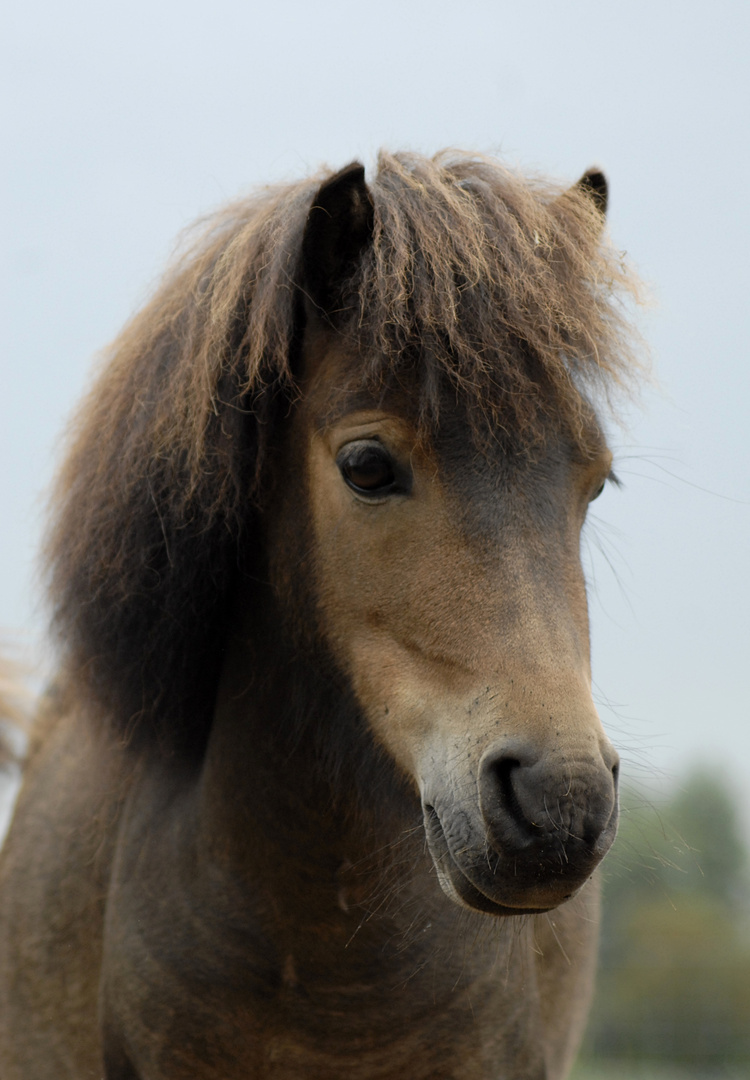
(449, 589)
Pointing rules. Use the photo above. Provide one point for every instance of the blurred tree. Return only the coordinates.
(674, 981)
(714, 857)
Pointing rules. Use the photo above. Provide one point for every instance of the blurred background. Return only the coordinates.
(124, 122)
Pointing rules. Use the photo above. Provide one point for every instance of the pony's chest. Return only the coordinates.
(355, 1031)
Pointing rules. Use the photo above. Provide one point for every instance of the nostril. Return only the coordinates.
(616, 773)
(503, 771)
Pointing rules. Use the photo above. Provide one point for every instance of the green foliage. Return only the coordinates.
(674, 982)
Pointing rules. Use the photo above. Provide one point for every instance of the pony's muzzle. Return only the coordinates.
(543, 823)
(549, 807)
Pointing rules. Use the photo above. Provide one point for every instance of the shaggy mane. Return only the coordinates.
(477, 278)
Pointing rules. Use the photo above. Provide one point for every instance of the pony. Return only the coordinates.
(319, 789)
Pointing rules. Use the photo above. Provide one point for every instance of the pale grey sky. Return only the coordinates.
(122, 123)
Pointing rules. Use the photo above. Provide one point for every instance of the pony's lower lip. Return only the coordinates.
(456, 883)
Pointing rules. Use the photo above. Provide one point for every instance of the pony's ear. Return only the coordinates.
(594, 184)
(339, 226)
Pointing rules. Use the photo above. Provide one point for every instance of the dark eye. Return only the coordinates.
(611, 478)
(367, 468)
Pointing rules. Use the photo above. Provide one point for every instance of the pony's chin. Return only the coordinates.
(458, 886)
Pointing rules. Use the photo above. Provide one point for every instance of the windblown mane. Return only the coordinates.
(477, 279)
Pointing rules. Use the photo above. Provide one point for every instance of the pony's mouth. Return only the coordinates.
(456, 883)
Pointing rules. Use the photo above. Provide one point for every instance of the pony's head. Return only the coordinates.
(383, 394)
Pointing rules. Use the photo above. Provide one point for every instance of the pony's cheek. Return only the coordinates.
(409, 702)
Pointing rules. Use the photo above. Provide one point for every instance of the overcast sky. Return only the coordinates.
(124, 122)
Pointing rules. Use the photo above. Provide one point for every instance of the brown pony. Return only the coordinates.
(320, 789)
